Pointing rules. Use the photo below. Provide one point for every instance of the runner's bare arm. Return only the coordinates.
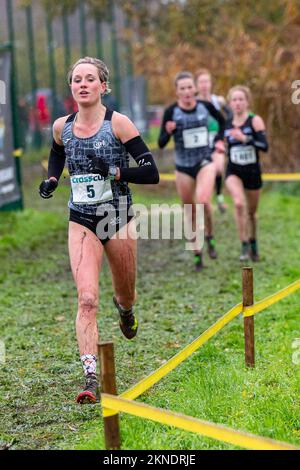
(57, 128)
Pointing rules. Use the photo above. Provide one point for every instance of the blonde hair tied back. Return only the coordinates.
(103, 71)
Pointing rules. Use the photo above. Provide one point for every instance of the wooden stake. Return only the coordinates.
(108, 385)
(248, 321)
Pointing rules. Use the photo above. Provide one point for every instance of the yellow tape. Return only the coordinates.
(167, 176)
(272, 299)
(155, 376)
(281, 176)
(18, 152)
(188, 423)
(265, 176)
(65, 172)
(171, 176)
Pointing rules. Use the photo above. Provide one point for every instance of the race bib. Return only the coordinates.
(243, 154)
(196, 137)
(90, 189)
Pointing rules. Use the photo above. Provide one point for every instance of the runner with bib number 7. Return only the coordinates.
(246, 137)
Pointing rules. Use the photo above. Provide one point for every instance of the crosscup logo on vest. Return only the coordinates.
(99, 143)
(86, 179)
(2, 92)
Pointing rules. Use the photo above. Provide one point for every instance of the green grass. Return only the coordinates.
(42, 372)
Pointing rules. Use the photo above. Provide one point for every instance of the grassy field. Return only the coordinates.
(42, 373)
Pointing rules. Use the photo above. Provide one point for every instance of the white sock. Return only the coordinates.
(89, 363)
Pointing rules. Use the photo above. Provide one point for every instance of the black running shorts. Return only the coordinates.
(250, 175)
(103, 226)
(193, 170)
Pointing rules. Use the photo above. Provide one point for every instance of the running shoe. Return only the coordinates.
(244, 256)
(199, 266)
(90, 393)
(128, 323)
(211, 247)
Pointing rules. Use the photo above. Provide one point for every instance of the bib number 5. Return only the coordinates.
(90, 191)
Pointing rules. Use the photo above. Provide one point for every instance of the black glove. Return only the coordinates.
(97, 165)
(47, 187)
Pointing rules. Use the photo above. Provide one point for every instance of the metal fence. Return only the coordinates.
(44, 43)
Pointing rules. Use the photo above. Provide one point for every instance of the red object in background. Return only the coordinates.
(43, 113)
(70, 105)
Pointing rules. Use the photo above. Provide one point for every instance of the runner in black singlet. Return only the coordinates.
(246, 137)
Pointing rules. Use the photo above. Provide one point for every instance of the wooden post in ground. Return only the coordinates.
(108, 385)
(248, 321)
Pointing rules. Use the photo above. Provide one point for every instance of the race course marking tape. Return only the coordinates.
(272, 299)
(265, 176)
(171, 176)
(155, 376)
(188, 423)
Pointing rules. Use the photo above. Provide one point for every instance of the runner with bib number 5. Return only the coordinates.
(246, 137)
(96, 142)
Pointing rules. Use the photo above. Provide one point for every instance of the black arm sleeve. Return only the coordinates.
(260, 140)
(218, 116)
(164, 137)
(56, 161)
(146, 172)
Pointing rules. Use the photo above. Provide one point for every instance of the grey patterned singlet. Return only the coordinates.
(104, 144)
(187, 121)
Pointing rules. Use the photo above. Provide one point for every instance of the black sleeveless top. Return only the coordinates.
(241, 155)
(104, 144)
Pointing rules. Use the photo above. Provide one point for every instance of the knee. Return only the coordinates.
(239, 206)
(87, 303)
(203, 198)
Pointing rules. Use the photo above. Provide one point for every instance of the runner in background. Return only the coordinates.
(203, 82)
(187, 121)
(246, 137)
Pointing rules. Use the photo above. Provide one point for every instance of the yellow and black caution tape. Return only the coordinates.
(265, 176)
(272, 299)
(155, 376)
(188, 423)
